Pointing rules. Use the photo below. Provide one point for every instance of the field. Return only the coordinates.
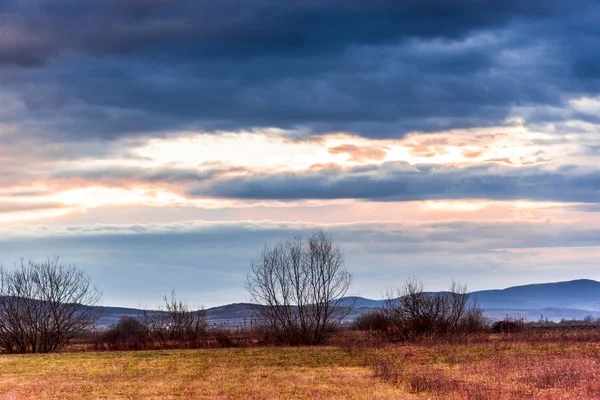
(545, 367)
(494, 370)
(260, 373)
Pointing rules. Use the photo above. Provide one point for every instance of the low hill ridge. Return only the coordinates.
(555, 300)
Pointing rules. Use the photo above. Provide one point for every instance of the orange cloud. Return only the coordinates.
(360, 154)
(472, 154)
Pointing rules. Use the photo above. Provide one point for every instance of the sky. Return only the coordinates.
(160, 144)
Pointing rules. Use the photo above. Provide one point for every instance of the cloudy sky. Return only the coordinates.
(159, 144)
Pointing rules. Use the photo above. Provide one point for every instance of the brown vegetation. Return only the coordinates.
(176, 321)
(299, 286)
(532, 364)
(433, 345)
(43, 305)
(255, 373)
(413, 313)
(174, 324)
(559, 364)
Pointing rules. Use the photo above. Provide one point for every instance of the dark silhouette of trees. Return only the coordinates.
(45, 304)
(299, 286)
(412, 312)
(128, 334)
(175, 321)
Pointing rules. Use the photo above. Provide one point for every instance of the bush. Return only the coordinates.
(372, 321)
(224, 339)
(128, 334)
(413, 313)
(509, 325)
(176, 324)
(473, 321)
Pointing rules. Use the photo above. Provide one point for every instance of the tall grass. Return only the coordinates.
(529, 364)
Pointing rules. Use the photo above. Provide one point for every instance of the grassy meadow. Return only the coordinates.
(494, 370)
(565, 366)
(259, 373)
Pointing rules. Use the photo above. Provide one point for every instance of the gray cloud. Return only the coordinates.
(591, 208)
(130, 175)
(390, 181)
(96, 69)
(207, 262)
(391, 236)
(232, 28)
(82, 78)
(397, 181)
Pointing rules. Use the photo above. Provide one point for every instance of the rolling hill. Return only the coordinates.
(570, 300)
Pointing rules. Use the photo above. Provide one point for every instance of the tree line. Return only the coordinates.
(299, 287)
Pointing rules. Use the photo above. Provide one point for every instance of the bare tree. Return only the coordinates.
(44, 305)
(413, 312)
(299, 286)
(176, 321)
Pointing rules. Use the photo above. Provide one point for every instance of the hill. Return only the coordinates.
(569, 300)
(582, 294)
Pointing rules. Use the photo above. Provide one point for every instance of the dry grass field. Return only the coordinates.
(257, 373)
(547, 366)
(493, 370)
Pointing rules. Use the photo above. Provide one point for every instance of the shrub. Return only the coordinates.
(224, 339)
(372, 321)
(176, 324)
(473, 321)
(509, 325)
(128, 334)
(413, 313)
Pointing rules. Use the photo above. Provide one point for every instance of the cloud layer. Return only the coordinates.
(449, 138)
(101, 70)
(140, 262)
(403, 182)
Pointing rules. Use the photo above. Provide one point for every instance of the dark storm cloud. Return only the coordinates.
(233, 28)
(107, 69)
(397, 181)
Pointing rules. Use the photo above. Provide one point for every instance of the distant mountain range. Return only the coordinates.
(570, 300)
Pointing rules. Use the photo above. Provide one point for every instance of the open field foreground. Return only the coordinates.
(260, 373)
(490, 370)
(493, 371)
